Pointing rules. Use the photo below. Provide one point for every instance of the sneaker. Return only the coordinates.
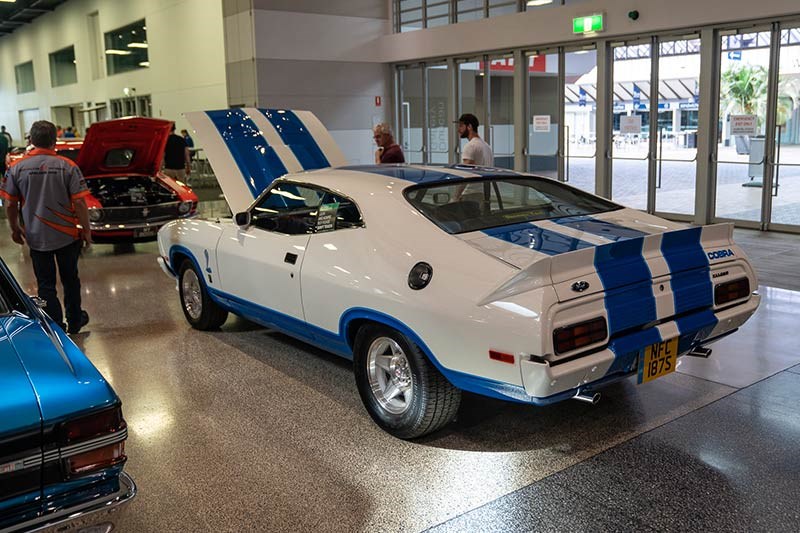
(75, 328)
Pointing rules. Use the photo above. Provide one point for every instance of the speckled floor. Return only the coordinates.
(248, 430)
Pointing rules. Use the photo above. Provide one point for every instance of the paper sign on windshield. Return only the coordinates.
(326, 217)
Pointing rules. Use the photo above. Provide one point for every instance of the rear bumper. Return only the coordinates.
(548, 384)
(94, 514)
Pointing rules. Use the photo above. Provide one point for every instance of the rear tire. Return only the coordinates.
(199, 309)
(402, 391)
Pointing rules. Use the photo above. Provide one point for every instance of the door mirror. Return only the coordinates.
(243, 219)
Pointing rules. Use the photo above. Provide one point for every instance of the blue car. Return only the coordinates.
(62, 434)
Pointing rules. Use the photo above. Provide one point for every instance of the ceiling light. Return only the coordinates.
(137, 45)
(144, 63)
(539, 2)
(113, 52)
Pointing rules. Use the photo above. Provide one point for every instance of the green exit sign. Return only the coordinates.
(590, 24)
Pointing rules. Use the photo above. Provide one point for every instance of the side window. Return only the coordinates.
(299, 209)
(341, 213)
(289, 208)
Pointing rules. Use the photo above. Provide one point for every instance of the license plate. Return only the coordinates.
(658, 360)
(145, 232)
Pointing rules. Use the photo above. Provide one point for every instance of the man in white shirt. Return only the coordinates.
(476, 151)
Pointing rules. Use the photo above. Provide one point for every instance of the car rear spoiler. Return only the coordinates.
(249, 148)
(687, 249)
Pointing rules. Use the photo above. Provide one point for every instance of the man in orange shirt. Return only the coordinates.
(49, 191)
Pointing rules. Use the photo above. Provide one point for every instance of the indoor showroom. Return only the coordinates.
(399, 265)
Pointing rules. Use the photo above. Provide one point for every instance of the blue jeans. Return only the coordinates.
(44, 266)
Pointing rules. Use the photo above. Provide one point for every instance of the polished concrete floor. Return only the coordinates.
(248, 430)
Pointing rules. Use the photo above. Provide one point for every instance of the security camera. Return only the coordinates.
(633, 15)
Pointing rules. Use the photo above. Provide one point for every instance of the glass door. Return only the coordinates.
(501, 110)
(741, 150)
(785, 210)
(580, 117)
(543, 116)
(630, 150)
(472, 95)
(678, 109)
(412, 113)
(437, 101)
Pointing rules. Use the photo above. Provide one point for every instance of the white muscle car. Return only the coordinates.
(438, 280)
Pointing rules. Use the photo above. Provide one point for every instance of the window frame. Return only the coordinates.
(325, 190)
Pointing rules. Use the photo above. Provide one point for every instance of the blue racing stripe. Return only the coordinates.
(602, 228)
(539, 239)
(402, 172)
(296, 136)
(620, 265)
(688, 263)
(256, 159)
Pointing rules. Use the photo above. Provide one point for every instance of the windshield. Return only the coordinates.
(476, 204)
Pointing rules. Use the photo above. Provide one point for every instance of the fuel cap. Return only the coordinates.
(420, 276)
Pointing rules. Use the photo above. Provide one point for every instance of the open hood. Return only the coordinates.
(127, 145)
(249, 148)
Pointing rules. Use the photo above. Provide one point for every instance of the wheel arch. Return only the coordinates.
(354, 319)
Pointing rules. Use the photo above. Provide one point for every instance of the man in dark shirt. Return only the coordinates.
(388, 151)
(177, 164)
(49, 191)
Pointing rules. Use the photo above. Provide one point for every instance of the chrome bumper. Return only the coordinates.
(95, 516)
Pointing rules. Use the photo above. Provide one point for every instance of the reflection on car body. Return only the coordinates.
(441, 280)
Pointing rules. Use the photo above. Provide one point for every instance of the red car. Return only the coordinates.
(131, 198)
(67, 148)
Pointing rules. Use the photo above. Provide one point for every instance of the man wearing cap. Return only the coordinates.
(476, 151)
(49, 191)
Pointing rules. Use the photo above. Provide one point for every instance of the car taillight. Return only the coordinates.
(97, 459)
(731, 290)
(95, 441)
(579, 335)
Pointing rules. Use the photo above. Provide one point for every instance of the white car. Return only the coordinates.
(436, 280)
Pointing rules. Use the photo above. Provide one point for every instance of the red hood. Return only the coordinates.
(146, 137)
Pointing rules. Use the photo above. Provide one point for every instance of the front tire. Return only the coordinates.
(403, 392)
(199, 309)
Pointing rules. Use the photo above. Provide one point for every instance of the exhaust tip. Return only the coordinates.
(592, 398)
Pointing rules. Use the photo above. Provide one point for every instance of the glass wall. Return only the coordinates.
(786, 182)
(126, 48)
(580, 118)
(630, 136)
(412, 113)
(678, 107)
(62, 67)
(438, 128)
(25, 79)
(501, 110)
(744, 71)
(471, 94)
(543, 114)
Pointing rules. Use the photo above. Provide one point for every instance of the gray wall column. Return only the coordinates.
(452, 110)
(604, 117)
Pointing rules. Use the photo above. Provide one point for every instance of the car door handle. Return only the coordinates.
(290, 258)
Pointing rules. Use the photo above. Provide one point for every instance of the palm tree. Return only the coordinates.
(744, 90)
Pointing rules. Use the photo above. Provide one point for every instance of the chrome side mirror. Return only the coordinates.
(243, 219)
(41, 303)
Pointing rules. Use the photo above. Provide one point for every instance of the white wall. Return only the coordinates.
(186, 53)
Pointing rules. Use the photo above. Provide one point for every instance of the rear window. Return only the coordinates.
(476, 204)
(119, 158)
